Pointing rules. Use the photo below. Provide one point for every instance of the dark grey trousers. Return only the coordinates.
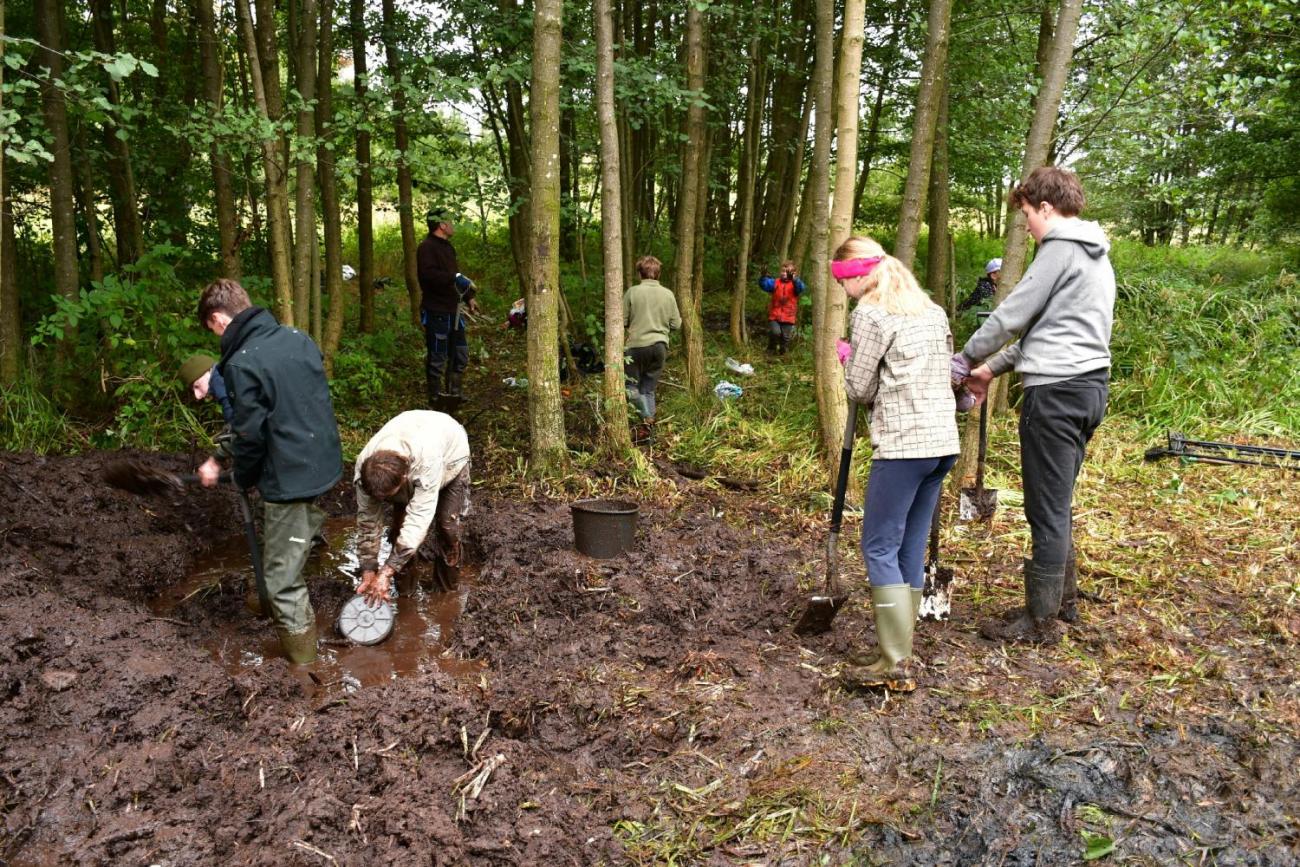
(1056, 423)
(641, 371)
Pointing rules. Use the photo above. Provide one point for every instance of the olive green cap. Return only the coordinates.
(195, 366)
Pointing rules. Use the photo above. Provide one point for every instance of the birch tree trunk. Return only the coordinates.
(49, 31)
(684, 263)
(305, 182)
(745, 190)
(365, 200)
(222, 174)
(927, 110)
(830, 391)
(279, 241)
(615, 434)
(404, 198)
(936, 268)
(545, 411)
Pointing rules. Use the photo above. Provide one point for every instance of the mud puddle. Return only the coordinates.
(426, 609)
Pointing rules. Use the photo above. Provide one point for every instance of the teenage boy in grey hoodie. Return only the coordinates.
(1062, 311)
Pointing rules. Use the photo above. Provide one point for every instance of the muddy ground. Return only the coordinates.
(650, 708)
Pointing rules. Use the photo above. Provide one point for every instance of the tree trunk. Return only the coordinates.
(689, 201)
(616, 438)
(787, 225)
(745, 191)
(827, 382)
(305, 191)
(877, 108)
(279, 243)
(222, 173)
(365, 201)
(936, 268)
(335, 291)
(545, 411)
(10, 314)
(927, 110)
(846, 138)
(86, 202)
(49, 31)
(121, 177)
(404, 197)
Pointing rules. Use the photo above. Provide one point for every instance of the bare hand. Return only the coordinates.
(978, 383)
(472, 306)
(374, 586)
(209, 471)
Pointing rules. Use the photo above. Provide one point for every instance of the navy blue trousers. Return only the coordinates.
(901, 496)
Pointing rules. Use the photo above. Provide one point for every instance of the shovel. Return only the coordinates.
(936, 600)
(822, 609)
(979, 503)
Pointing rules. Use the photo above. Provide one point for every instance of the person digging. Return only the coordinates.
(419, 463)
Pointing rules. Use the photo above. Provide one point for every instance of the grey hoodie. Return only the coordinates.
(1062, 310)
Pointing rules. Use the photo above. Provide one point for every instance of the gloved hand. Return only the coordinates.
(958, 368)
(843, 349)
(464, 284)
(965, 400)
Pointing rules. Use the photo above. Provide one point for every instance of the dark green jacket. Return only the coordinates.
(286, 441)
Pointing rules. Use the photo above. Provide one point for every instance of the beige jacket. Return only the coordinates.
(899, 368)
(438, 449)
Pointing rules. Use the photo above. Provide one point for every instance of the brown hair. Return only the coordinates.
(890, 286)
(1058, 187)
(788, 265)
(649, 267)
(222, 296)
(383, 472)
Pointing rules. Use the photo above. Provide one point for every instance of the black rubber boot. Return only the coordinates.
(431, 392)
(453, 383)
(1070, 591)
(772, 343)
(1036, 623)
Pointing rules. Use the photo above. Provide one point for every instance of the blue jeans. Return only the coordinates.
(901, 496)
(444, 336)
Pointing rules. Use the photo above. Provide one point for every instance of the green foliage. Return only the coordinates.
(365, 369)
(31, 422)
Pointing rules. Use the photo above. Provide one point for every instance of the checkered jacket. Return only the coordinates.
(899, 368)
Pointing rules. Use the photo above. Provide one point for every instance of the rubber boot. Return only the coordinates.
(299, 647)
(453, 383)
(431, 392)
(1036, 623)
(917, 597)
(772, 343)
(892, 606)
(1070, 591)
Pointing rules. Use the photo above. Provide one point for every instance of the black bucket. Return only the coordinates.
(604, 528)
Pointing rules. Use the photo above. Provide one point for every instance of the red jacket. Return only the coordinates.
(784, 306)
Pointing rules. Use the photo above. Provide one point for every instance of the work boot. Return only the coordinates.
(299, 647)
(453, 384)
(1070, 591)
(894, 626)
(1036, 623)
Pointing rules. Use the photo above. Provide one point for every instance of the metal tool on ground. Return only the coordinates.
(138, 477)
(255, 554)
(822, 608)
(1207, 451)
(936, 600)
(365, 624)
(979, 503)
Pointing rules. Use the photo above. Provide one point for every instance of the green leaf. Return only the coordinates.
(1096, 846)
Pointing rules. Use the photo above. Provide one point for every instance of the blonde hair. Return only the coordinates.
(891, 287)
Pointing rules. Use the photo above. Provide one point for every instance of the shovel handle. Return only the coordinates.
(984, 445)
(846, 461)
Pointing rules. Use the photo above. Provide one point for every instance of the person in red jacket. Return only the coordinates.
(783, 309)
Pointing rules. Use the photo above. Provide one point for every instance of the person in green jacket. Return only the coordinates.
(285, 443)
(649, 314)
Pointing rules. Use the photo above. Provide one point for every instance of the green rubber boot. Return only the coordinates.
(894, 626)
(299, 647)
(917, 596)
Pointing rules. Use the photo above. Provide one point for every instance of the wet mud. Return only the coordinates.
(557, 709)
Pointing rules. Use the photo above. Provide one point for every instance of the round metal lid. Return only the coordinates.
(362, 624)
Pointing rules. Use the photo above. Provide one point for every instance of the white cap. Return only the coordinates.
(348, 273)
(993, 265)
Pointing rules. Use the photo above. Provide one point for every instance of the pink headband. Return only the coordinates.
(845, 268)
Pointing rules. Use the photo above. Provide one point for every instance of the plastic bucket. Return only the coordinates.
(604, 528)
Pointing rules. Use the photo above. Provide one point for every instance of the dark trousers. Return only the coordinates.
(444, 338)
(641, 372)
(1056, 422)
(901, 495)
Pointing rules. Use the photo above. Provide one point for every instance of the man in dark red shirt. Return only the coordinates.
(443, 289)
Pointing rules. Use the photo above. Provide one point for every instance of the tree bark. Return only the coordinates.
(305, 190)
(222, 173)
(121, 177)
(279, 242)
(335, 291)
(10, 314)
(86, 201)
(616, 437)
(689, 201)
(927, 110)
(401, 139)
(745, 191)
(545, 411)
(827, 385)
(936, 268)
(49, 31)
(365, 201)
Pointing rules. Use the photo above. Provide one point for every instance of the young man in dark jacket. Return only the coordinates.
(1062, 311)
(285, 443)
(443, 289)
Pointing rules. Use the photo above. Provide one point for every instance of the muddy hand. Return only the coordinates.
(374, 586)
(209, 472)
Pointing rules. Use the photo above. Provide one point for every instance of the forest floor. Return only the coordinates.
(655, 707)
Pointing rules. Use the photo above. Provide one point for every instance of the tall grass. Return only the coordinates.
(30, 422)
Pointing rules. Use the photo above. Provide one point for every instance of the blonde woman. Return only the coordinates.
(898, 367)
